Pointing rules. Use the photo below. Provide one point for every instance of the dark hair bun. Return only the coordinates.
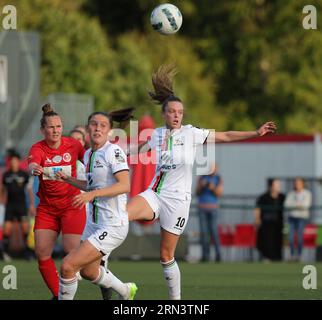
(47, 108)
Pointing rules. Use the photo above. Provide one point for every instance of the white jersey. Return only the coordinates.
(175, 155)
(101, 165)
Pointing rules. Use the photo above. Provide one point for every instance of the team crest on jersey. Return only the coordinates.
(56, 159)
(118, 156)
(67, 157)
(48, 161)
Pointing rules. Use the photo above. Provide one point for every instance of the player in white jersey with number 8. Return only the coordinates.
(168, 197)
(107, 223)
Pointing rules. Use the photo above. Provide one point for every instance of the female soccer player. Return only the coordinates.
(107, 224)
(55, 213)
(169, 194)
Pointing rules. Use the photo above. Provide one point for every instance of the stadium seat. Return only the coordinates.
(244, 242)
(310, 234)
(226, 236)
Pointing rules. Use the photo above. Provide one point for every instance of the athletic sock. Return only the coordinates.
(172, 275)
(5, 243)
(50, 275)
(107, 279)
(67, 288)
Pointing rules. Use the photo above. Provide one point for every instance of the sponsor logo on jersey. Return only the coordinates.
(119, 158)
(98, 164)
(178, 142)
(168, 167)
(48, 161)
(67, 157)
(56, 159)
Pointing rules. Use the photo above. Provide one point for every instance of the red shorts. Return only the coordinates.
(69, 220)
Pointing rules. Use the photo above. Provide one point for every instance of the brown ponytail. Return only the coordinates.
(162, 83)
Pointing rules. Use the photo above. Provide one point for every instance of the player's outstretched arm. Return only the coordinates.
(121, 186)
(80, 184)
(141, 148)
(231, 136)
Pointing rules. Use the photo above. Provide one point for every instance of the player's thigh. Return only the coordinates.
(45, 240)
(142, 207)
(70, 242)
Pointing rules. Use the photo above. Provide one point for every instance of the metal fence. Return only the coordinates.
(20, 52)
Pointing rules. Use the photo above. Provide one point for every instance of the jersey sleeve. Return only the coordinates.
(35, 155)
(117, 159)
(200, 135)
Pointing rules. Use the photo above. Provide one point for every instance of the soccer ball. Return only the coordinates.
(166, 19)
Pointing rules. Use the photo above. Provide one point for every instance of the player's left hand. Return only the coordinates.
(80, 200)
(268, 127)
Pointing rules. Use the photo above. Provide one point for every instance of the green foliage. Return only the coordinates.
(75, 51)
(240, 62)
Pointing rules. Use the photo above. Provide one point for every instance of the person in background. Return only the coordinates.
(269, 222)
(13, 187)
(209, 189)
(75, 133)
(297, 204)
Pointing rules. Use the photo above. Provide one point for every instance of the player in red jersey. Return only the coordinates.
(55, 213)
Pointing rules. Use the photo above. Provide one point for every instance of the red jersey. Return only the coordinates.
(52, 192)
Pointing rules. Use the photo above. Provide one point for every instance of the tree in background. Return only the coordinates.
(240, 61)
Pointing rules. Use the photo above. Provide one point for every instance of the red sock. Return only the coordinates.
(50, 275)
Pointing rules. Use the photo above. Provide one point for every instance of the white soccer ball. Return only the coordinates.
(166, 18)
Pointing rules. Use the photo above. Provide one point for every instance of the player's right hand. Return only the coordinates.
(37, 170)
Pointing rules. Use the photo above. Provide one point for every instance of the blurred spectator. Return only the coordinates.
(14, 183)
(209, 189)
(79, 128)
(79, 136)
(12, 152)
(2, 213)
(298, 203)
(269, 222)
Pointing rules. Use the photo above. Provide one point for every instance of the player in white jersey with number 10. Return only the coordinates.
(107, 222)
(168, 197)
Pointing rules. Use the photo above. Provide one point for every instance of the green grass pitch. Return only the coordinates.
(200, 281)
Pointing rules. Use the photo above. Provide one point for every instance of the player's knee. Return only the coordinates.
(67, 268)
(42, 252)
(165, 255)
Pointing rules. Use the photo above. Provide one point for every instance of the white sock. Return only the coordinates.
(172, 275)
(67, 288)
(107, 279)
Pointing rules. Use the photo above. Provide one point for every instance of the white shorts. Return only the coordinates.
(105, 238)
(173, 213)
